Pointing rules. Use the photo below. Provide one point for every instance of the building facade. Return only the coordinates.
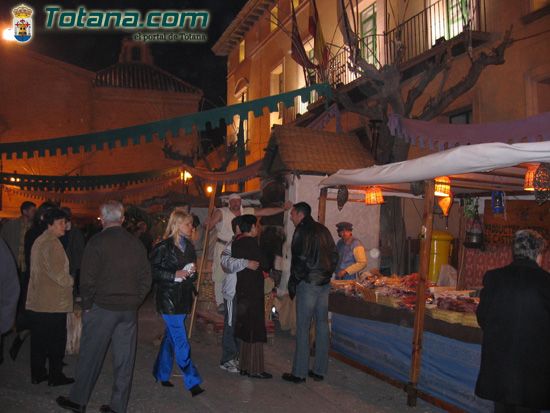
(46, 98)
(258, 49)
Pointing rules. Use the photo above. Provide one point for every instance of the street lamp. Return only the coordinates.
(8, 35)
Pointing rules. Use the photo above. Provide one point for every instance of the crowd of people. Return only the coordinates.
(49, 266)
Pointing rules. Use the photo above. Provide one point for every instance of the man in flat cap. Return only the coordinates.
(351, 251)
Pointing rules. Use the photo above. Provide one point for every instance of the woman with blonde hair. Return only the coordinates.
(174, 271)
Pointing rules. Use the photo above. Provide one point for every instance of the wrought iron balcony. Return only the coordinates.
(415, 40)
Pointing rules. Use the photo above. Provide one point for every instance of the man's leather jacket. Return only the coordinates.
(314, 254)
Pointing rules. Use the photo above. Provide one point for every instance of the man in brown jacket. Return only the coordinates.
(114, 280)
(49, 299)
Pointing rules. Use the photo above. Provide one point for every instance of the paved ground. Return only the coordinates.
(345, 389)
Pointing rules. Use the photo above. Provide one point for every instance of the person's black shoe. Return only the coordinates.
(105, 408)
(60, 381)
(167, 383)
(196, 390)
(262, 375)
(314, 376)
(67, 404)
(39, 379)
(15, 347)
(243, 373)
(292, 378)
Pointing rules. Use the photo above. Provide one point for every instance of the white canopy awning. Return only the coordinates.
(460, 160)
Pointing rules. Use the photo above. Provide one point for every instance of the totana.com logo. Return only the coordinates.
(22, 23)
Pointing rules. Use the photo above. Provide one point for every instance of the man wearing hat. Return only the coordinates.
(221, 219)
(352, 256)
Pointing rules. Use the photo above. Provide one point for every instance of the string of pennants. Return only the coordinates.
(135, 195)
(55, 184)
(64, 183)
(123, 136)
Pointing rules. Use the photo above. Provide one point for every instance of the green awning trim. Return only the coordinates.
(98, 140)
(63, 183)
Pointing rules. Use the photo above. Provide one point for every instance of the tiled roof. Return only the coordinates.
(136, 75)
(304, 150)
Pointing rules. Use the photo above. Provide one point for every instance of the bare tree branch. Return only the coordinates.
(440, 64)
(436, 105)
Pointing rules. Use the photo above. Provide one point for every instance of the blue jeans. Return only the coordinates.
(230, 343)
(311, 301)
(175, 341)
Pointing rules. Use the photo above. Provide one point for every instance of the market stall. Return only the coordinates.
(376, 318)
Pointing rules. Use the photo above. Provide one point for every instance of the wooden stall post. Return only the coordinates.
(322, 205)
(418, 329)
(203, 261)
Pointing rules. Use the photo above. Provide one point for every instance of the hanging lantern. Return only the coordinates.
(541, 183)
(529, 178)
(442, 186)
(342, 196)
(497, 202)
(474, 231)
(445, 204)
(373, 196)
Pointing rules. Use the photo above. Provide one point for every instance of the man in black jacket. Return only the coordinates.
(314, 259)
(514, 314)
(115, 278)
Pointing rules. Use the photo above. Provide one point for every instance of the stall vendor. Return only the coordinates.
(353, 257)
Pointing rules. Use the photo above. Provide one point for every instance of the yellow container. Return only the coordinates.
(439, 253)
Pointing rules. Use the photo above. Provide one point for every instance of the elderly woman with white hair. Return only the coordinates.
(514, 314)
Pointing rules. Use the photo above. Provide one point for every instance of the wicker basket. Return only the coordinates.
(469, 320)
(206, 291)
(368, 294)
(268, 305)
(387, 300)
(453, 317)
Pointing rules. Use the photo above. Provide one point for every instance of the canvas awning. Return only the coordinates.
(485, 166)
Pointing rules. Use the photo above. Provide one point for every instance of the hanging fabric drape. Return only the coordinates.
(231, 177)
(441, 136)
(134, 134)
(134, 194)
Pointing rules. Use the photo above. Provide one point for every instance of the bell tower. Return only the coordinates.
(135, 52)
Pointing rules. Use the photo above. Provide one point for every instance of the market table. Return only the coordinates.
(379, 338)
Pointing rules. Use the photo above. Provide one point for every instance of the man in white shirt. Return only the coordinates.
(221, 219)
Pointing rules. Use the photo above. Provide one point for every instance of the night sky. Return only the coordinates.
(98, 49)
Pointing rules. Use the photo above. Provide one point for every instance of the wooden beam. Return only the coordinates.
(322, 206)
(204, 258)
(420, 308)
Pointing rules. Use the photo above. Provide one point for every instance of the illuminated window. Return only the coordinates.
(295, 3)
(235, 126)
(274, 18)
(242, 54)
(276, 86)
(368, 33)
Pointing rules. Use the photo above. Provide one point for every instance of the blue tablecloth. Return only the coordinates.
(449, 367)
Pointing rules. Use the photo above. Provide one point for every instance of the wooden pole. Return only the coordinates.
(418, 330)
(203, 260)
(322, 206)
(461, 250)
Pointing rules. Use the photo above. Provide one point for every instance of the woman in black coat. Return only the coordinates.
(250, 323)
(514, 314)
(173, 268)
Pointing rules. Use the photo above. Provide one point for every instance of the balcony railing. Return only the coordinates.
(443, 20)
